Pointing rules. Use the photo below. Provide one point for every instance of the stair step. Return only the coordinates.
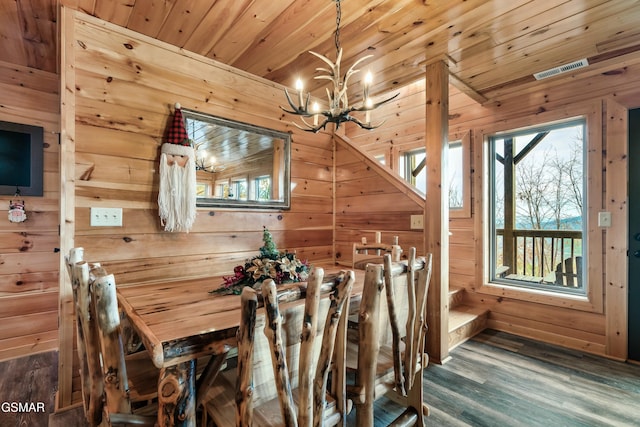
(456, 296)
(465, 322)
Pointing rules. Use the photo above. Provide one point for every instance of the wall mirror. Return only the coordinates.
(238, 164)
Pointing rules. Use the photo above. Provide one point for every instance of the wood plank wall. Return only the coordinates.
(595, 330)
(369, 199)
(126, 87)
(28, 258)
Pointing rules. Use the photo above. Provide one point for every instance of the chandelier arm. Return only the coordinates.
(293, 106)
(306, 103)
(300, 111)
(351, 71)
(377, 104)
(329, 77)
(355, 64)
(364, 125)
(324, 58)
(310, 128)
(306, 123)
(333, 103)
(325, 70)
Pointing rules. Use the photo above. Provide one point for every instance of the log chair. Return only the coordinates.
(87, 339)
(364, 253)
(391, 358)
(309, 403)
(99, 338)
(141, 375)
(125, 379)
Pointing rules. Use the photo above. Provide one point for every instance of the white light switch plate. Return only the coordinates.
(106, 217)
(604, 219)
(417, 222)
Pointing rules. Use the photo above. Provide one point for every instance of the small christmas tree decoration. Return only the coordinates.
(269, 249)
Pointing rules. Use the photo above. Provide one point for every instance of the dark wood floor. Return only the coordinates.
(494, 380)
(28, 380)
(498, 379)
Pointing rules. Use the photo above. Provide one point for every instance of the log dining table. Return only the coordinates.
(180, 321)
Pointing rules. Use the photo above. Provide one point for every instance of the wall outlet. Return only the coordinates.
(604, 219)
(106, 217)
(417, 222)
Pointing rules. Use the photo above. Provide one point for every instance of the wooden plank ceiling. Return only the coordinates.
(488, 45)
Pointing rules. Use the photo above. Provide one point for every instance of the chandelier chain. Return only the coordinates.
(338, 18)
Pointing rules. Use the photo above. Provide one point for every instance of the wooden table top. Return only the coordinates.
(180, 320)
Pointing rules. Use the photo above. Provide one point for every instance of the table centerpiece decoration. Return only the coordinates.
(282, 267)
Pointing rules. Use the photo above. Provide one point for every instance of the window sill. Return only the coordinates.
(539, 296)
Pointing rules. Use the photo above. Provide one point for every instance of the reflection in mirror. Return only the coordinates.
(237, 164)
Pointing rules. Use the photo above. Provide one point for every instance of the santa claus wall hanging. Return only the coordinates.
(177, 196)
(17, 212)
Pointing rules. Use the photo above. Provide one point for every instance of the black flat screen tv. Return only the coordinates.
(21, 159)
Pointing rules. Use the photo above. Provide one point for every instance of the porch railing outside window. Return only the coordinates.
(546, 257)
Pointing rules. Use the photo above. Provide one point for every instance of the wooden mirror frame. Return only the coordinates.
(230, 148)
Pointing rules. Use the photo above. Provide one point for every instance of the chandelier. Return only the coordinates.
(339, 110)
(201, 164)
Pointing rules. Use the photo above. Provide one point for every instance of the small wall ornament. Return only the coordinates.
(17, 211)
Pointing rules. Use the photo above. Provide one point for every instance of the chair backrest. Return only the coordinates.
(316, 356)
(107, 315)
(101, 350)
(401, 328)
(364, 253)
(87, 339)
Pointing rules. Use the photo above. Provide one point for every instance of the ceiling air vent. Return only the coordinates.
(561, 69)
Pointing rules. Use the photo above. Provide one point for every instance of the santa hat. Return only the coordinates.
(176, 133)
(177, 195)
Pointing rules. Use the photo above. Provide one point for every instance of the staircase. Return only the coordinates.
(464, 321)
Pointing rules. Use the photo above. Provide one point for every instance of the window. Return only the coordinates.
(203, 190)
(221, 190)
(455, 169)
(238, 189)
(412, 168)
(263, 188)
(536, 200)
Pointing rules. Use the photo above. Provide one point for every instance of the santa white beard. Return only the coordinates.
(177, 195)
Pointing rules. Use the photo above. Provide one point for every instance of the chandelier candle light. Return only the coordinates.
(339, 109)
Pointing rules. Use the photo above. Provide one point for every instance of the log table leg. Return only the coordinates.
(177, 396)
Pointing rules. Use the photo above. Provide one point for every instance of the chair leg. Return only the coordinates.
(415, 397)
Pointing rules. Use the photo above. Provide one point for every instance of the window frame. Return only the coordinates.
(493, 276)
(593, 300)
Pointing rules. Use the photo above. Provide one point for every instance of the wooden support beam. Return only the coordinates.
(436, 209)
(616, 261)
(466, 89)
(67, 203)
